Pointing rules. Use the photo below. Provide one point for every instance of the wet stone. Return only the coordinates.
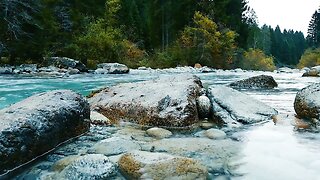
(92, 166)
(215, 134)
(114, 146)
(159, 133)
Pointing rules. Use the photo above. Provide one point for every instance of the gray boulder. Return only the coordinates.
(313, 72)
(231, 107)
(65, 63)
(256, 82)
(204, 106)
(26, 68)
(38, 124)
(169, 101)
(6, 70)
(307, 102)
(112, 68)
(48, 69)
(114, 146)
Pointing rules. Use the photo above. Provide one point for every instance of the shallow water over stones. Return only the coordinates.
(267, 150)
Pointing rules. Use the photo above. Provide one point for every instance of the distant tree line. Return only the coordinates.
(157, 33)
(285, 46)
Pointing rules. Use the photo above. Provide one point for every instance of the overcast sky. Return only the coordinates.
(288, 14)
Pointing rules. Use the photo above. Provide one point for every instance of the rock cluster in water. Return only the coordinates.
(63, 66)
(118, 146)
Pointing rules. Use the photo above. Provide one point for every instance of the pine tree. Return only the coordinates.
(313, 37)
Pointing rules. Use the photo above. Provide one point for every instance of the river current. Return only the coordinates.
(269, 151)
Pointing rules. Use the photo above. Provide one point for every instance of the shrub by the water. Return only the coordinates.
(255, 59)
(310, 58)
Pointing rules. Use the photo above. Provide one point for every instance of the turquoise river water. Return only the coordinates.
(270, 151)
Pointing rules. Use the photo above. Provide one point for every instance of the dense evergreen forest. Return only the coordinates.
(156, 33)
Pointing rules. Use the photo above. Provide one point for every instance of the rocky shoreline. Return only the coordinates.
(136, 130)
(64, 67)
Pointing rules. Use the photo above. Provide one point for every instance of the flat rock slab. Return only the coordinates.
(169, 101)
(231, 106)
(39, 123)
(215, 154)
(256, 82)
(307, 102)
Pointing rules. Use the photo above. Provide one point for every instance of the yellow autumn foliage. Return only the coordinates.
(255, 59)
(204, 43)
(310, 58)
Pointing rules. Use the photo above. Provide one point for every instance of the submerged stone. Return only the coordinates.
(215, 154)
(148, 165)
(114, 146)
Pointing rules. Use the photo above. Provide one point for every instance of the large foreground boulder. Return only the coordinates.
(67, 63)
(148, 165)
(256, 82)
(307, 102)
(231, 106)
(169, 101)
(39, 123)
(111, 68)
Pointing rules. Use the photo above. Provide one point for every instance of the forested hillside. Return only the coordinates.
(157, 33)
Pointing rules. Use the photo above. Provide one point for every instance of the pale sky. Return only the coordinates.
(288, 14)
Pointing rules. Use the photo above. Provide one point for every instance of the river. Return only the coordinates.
(269, 151)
